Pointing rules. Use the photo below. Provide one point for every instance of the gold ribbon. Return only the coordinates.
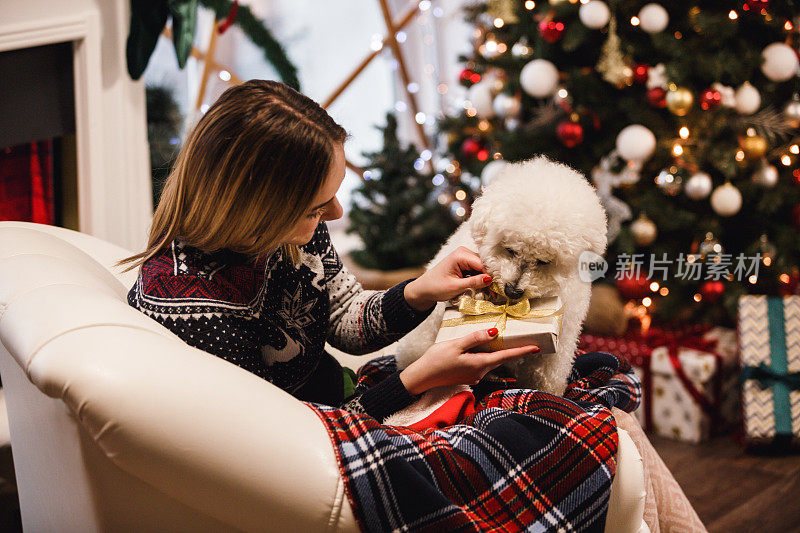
(482, 311)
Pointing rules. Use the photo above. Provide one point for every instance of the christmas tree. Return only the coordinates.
(685, 116)
(395, 210)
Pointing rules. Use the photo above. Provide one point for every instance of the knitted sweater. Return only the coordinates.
(273, 318)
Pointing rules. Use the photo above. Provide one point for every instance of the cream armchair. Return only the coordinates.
(116, 424)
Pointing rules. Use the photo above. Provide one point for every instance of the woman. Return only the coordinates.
(239, 262)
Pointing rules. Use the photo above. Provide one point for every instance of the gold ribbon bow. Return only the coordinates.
(482, 311)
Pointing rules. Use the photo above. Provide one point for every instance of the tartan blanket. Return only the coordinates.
(524, 461)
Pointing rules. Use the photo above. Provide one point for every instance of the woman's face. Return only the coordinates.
(325, 206)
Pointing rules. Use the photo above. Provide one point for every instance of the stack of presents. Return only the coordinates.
(701, 381)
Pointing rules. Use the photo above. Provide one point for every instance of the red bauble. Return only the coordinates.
(755, 5)
(640, 73)
(551, 30)
(710, 99)
(471, 147)
(634, 287)
(657, 97)
(469, 77)
(712, 290)
(569, 133)
(796, 176)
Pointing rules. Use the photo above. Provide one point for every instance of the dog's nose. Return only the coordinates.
(512, 292)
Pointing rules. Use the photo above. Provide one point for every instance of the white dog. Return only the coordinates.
(529, 227)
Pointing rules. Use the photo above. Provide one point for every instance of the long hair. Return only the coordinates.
(247, 172)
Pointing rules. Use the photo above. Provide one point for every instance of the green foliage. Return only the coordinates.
(395, 212)
(700, 47)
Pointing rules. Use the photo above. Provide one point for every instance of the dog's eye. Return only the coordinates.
(511, 252)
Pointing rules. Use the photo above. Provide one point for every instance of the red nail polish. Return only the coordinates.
(487, 279)
(492, 332)
(535, 349)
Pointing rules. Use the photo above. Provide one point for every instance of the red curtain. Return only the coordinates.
(26, 183)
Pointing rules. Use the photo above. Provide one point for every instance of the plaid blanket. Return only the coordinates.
(526, 460)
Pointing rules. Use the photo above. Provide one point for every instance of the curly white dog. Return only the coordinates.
(529, 227)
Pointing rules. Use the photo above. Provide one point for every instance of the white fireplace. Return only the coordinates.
(112, 175)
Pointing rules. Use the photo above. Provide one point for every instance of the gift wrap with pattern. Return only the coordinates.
(535, 321)
(769, 336)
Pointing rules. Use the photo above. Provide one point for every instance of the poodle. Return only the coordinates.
(529, 226)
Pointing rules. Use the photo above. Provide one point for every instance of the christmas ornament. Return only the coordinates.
(791, 113)
(657, 97)
(539, 78)
(727, 94)
(613, 64)
(657, 77)
(636, 143)
(669, 181)
(506, 105)
(470, 147)
(492, 170)
(640, 73)
(679, 101)
(712, 290)
(569, 133)
(481, 97)
(755, 5)
(644, 231)
(710, 99)
(594, 14)
(653, 18)
(468, 77)
(633, 285)
(551, 30)
(765, 175)
(726, 200)
(780, 62)
(698, 186)
(748, 99)
(753, 146)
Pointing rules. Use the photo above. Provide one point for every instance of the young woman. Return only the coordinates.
(239, 262)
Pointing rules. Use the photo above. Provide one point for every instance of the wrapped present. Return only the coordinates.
(528, 321)
(769, 336)
(689, 378)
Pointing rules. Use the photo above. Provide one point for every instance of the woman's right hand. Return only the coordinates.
(450, 362)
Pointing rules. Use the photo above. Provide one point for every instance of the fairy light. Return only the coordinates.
(530, 4)
(437, 180)
(635, 21)
(697, 297)
(788, 26)
(461, 195)
(784, 278)
(767, 260)
(460, 211)
(471, 112)
(684, 132)
(654, 286)
(752, 279)
(451, 168)
(424, 5)
(562, 93)
(751, 132)
(420, 117)
(442, 88)
(501, 48)
(733, 16)
(484, 125)
(647, 301)
(224, 75)
(739, 155)
(401, 36)
(786, 160)
(498, 23)
(664, 291)
(677, 149)
(795, 149)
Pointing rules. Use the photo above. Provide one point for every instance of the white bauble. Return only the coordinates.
(594, 14)
(748, 99)
(539, 78)
(780, 62)
(644, 230)
(726, 200)
(636, 143)
(491, 170)
(766, 175)
(698, 186)
(481, 97)
(653, 18)
(506, 105)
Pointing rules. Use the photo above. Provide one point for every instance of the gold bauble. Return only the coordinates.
(753, 146)
(679, 100)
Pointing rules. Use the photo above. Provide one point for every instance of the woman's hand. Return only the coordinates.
(447, 279)
(450, 362)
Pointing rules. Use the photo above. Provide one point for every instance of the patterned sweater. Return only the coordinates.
(273, 318)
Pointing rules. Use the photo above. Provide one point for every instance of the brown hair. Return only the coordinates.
(247, 172)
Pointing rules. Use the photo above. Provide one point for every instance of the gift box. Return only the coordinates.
(529, 321)
(769, 337)
(689, 378)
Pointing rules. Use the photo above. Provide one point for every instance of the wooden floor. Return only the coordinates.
(734, 491)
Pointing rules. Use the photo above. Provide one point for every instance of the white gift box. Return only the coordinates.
(540, 326)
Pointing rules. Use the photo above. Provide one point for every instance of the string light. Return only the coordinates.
(420, 117)
(733, 16)
(786, 160)
(739, 155)
(684, 132)
(767, 260)
(654, 286)
(752, 279)
(224, 75)
(498, 23)
(635, 21)
(530, 4)
(784, 278)
(788, 26)
(437, 180)
(794, 149)
(424, 5)
(697, 297)
(677, 149)
(664, 291)
(646, 301)
(461, 195)
(460, 211)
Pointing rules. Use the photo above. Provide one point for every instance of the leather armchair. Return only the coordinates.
(117, 424)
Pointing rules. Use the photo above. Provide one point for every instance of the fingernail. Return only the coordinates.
(535, 349)
(492, 332)
(487, 279)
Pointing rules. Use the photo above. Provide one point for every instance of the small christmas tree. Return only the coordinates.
(395, 209)
(684, 114)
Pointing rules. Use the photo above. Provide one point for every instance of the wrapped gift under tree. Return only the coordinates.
(688, 376)
(769, 337)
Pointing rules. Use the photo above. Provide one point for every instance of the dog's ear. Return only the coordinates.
(478, 220)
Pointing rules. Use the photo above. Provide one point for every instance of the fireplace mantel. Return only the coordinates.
(114, 199)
